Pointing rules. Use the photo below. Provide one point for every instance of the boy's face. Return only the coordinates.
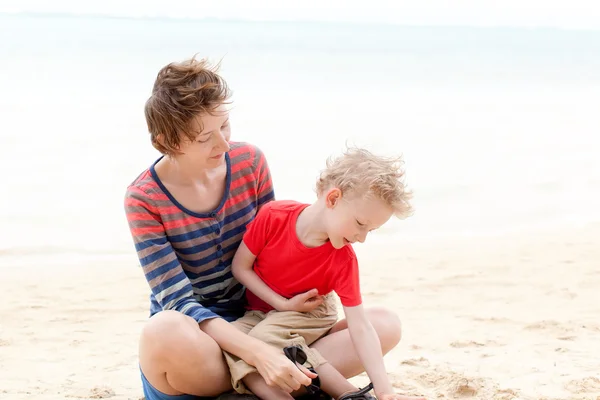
(212, 142)
(349, 219)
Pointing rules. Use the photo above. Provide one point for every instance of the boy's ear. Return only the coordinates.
(333, 197)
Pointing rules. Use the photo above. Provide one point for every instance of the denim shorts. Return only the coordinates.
(151, 393)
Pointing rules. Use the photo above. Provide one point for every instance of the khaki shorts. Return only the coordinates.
(282, 329)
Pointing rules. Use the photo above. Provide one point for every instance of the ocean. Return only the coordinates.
(499, 127)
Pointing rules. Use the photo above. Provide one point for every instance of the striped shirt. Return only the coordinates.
(186, 256)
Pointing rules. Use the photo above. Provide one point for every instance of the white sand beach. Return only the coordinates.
(511, 317)
(493, 277)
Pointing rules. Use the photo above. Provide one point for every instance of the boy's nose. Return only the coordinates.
(361, 237)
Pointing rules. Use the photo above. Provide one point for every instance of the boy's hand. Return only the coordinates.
(303, 302)
(393, 396)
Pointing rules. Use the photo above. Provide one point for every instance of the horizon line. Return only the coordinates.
(125, 16)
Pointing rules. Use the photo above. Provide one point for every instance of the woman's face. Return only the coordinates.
(211, 143)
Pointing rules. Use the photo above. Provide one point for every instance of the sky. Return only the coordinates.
(569, 14)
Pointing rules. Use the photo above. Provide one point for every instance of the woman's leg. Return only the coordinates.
(176, 357)
(337, 347)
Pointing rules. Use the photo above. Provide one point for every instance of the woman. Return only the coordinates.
(187, 214)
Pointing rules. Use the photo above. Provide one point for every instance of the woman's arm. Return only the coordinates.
(166, 278)
(368, 347)
(270, 362)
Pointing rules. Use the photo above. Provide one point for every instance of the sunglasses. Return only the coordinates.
(297, 355)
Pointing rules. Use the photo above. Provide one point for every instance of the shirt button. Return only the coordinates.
(217, 231)
(212, 214)
(219, 247)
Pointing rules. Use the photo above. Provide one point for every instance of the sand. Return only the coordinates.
(497, 317)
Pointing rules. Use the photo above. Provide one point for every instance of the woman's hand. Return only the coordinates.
(278, 371)
(303, 302)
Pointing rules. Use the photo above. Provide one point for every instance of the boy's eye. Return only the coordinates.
(359, 223)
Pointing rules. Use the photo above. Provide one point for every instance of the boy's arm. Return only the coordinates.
(241, 267)
(367, 345)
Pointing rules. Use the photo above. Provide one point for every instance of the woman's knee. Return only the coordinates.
(172, 335)
(177, 357)
(388, 327)
(165, 326)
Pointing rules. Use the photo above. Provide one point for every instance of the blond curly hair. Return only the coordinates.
(358, 172)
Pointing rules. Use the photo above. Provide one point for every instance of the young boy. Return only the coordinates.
(294, 255)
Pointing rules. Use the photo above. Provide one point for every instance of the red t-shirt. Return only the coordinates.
(290, 268)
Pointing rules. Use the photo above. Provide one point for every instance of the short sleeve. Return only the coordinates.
(257, 231)
(264, 183)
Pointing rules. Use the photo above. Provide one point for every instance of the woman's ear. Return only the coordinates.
(160, 139)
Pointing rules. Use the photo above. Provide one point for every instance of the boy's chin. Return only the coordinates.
(338, 244)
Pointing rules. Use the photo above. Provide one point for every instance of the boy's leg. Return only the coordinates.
(238, 368)
(338, 349)
(259, 387)
(241, 372)
(332, 382)
(289, 328)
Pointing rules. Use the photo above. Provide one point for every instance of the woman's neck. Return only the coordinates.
(182, 172)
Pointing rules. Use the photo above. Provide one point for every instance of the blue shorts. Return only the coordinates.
(151, 393)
